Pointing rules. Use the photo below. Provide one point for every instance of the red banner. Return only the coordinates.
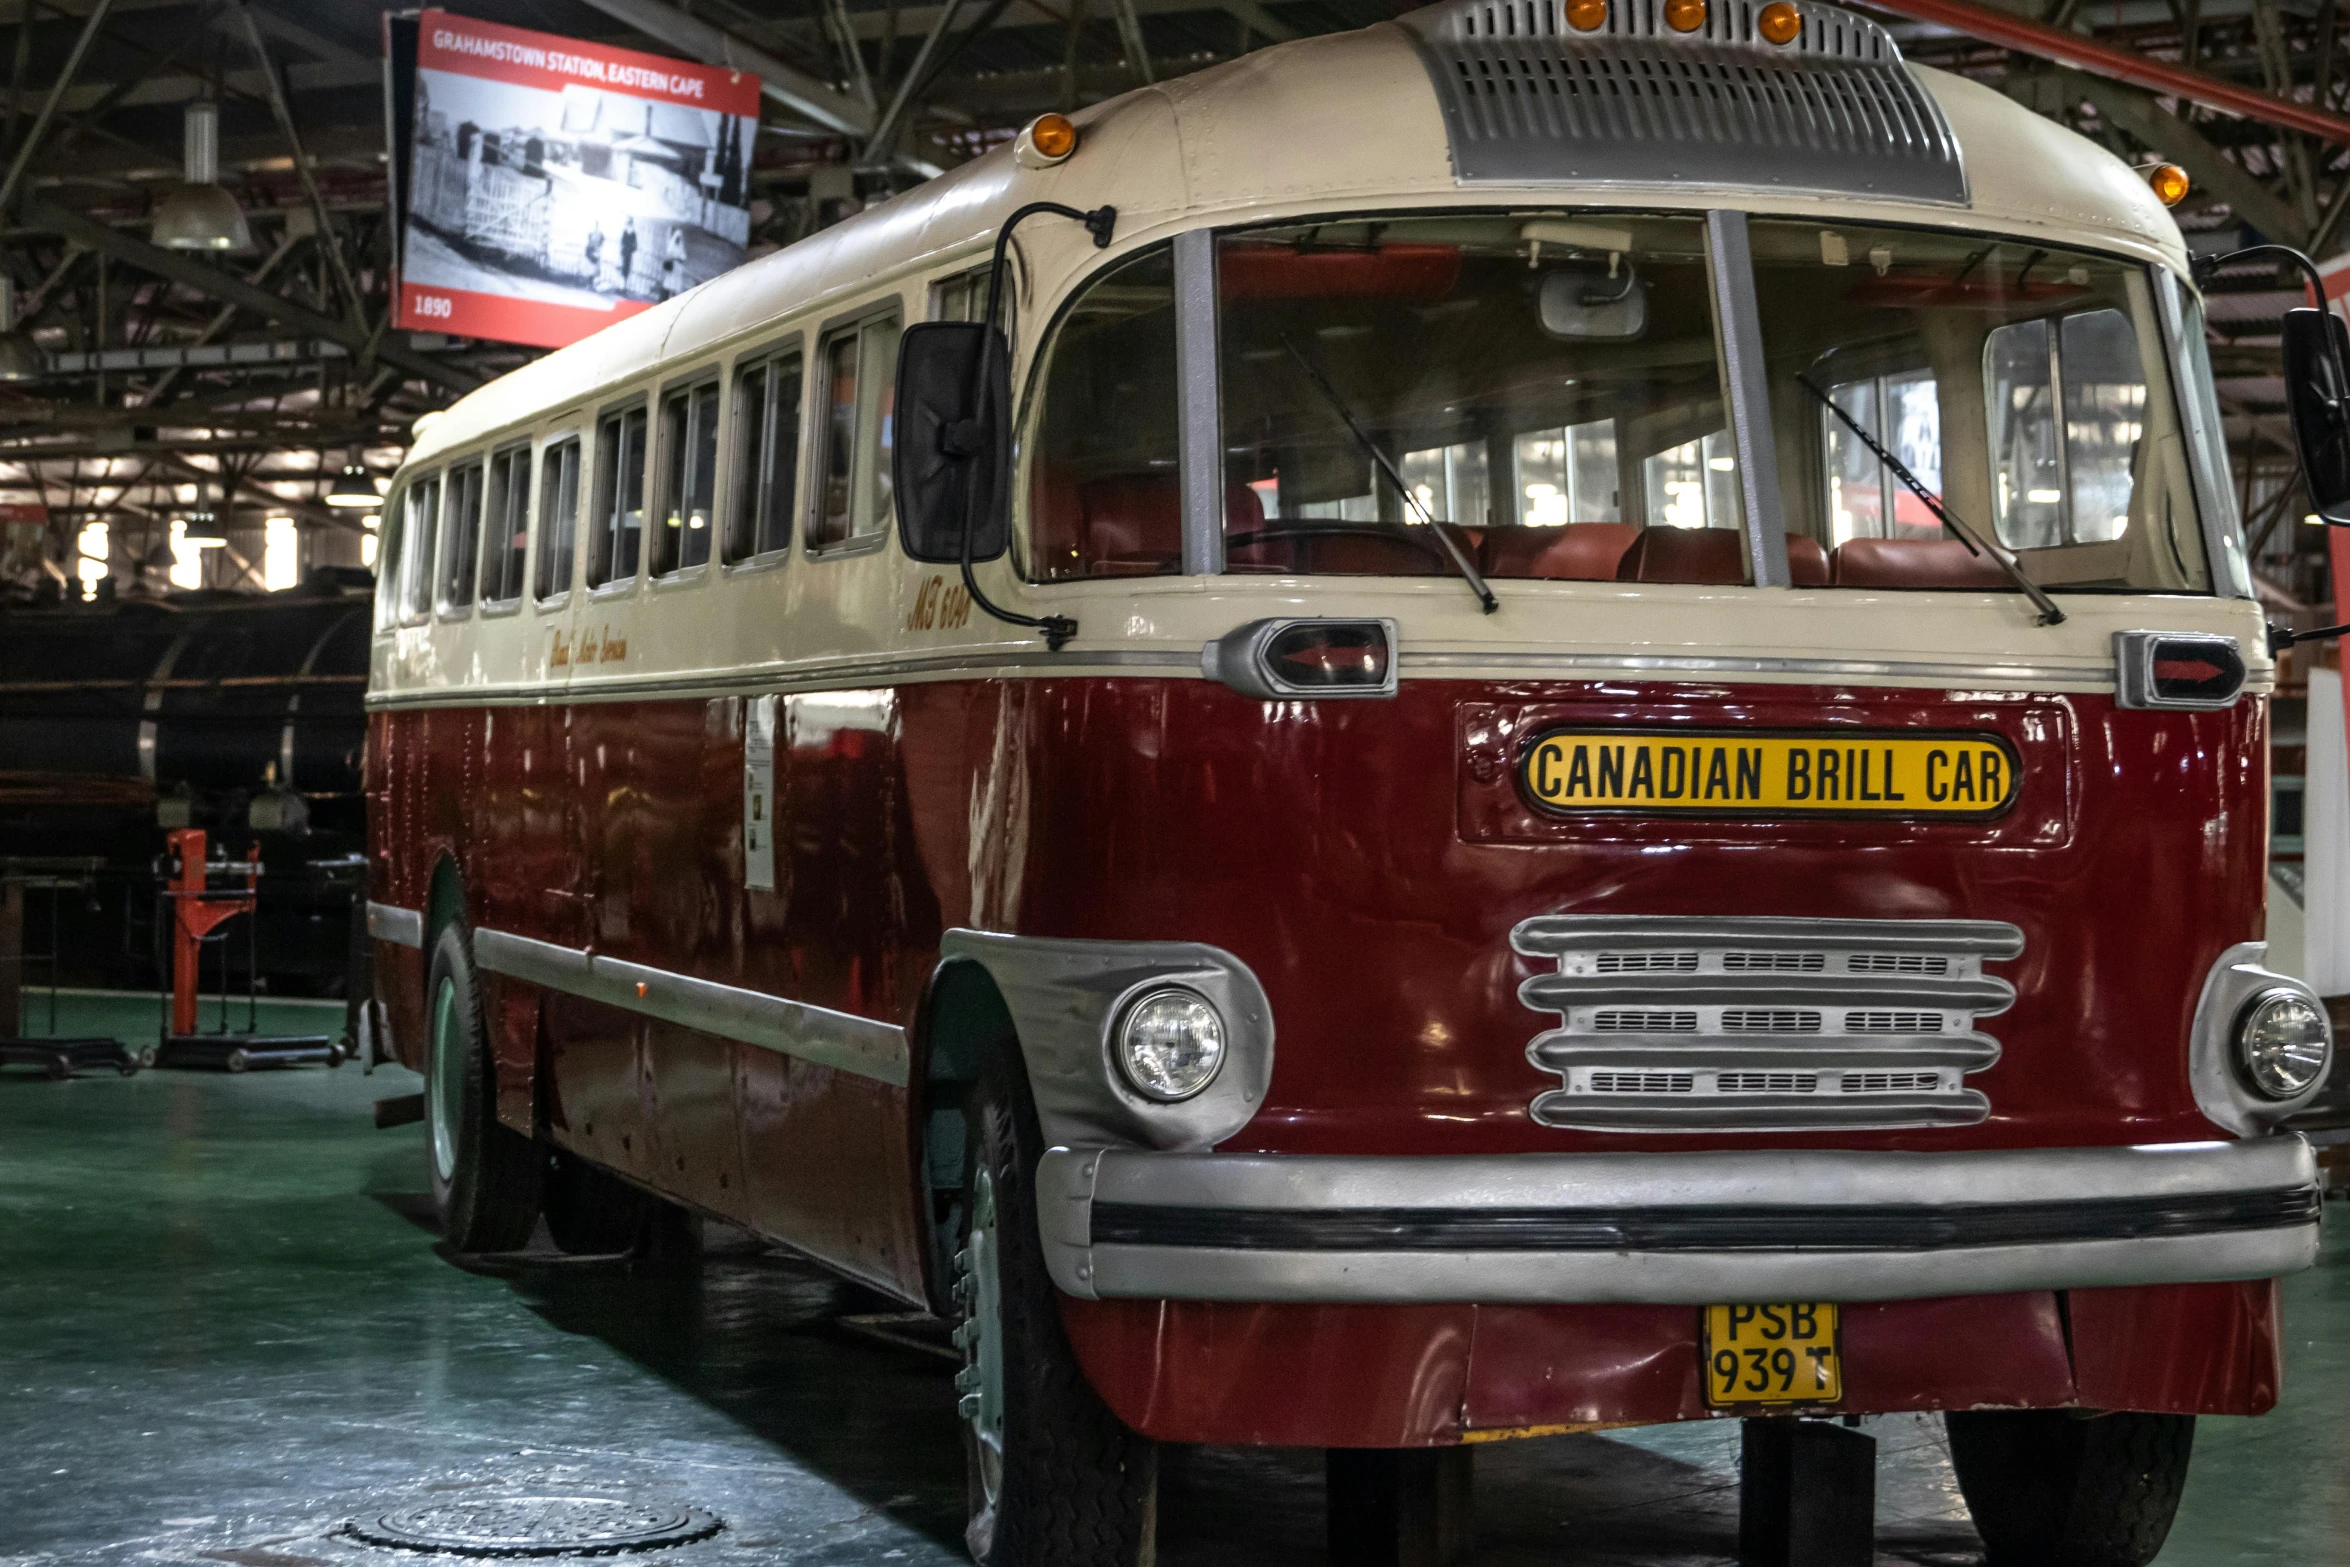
(557, 186)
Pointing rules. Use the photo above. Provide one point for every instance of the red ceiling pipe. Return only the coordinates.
(2086, 54)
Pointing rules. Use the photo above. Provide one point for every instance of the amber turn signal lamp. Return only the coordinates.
(1587, 16)
(1044, 141)
(1779, 23)
(2169, 183)
(1684, 16)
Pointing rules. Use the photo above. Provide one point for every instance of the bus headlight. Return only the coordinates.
(1170, 1044)
(2284, 1042)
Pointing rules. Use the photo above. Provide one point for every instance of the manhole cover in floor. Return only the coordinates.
(538, 1526)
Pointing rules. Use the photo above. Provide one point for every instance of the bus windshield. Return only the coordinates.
(1550, 385)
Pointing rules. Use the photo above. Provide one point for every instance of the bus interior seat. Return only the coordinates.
(1807, 562)
(1914, 563)
(1714, 555)
(1578, 552)
(1131, 524)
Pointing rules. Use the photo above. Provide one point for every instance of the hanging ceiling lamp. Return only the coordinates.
(20, 358)
(354, 489)
(200, 215)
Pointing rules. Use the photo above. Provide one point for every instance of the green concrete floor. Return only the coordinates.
(225, 1329)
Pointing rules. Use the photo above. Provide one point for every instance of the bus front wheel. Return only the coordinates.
(2067, 1488)
(485, 1177)
(1054, 1479)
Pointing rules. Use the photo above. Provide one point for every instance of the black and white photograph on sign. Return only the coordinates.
(582, 199)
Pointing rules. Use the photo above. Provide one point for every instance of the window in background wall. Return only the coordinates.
(281, 554)
(618, 519)
(766, 456)
(1567, 475)
(421, 533)
(1903, 414)
(507, 525)
(689, 483)
(461, 534)
(1693, 485)
(558, 518)
(90, 563)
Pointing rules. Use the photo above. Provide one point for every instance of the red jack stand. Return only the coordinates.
(198, 909)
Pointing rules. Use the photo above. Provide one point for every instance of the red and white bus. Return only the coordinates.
(1593, 752)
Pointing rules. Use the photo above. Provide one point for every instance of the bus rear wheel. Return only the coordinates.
(1053, 1478)
(2062, 1488)
(485, 1177)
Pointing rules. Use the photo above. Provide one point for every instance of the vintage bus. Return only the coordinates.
(1590, 749)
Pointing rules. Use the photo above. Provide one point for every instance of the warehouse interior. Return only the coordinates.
(234, 1330)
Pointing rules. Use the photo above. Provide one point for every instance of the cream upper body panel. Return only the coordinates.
(1347, 122)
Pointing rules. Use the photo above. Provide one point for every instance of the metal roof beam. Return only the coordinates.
(787, 85)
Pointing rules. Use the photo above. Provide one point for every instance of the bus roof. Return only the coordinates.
(1339, 122)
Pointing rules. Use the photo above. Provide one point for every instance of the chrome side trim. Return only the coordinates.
(1199, 406)
(860, 1046)
(1065, 996)
(1729, 258)
(1672, 1228)
(1182, 662)
(1680, 1024)
(390, 922)
(2220, 1094)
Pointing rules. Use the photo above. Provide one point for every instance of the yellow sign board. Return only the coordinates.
(1766, 773)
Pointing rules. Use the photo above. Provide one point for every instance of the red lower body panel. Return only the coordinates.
(1411, 1376)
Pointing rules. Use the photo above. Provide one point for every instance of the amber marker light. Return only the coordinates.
(1587, 16)
(1779, 23)
(2169, 183)
(1044, 141)
(1684, 16)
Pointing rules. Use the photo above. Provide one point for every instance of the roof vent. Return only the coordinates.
(1528, 99)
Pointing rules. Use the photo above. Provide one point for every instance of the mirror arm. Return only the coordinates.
(2204, 268)
(2282, 637)
(961, 438)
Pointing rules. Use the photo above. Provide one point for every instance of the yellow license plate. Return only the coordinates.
(1765, 774)
(1783, 1353)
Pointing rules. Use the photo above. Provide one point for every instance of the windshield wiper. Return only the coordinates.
(1379, 459)
(1975, 544)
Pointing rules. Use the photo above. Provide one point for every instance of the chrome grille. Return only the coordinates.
(1762, 1024)
(1527, 98)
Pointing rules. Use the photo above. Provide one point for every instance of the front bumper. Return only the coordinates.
(1672, 1228)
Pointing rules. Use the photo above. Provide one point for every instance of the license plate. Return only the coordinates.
(1781, 1353)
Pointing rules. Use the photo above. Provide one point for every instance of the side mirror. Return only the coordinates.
(952, 466)
(2317, 348)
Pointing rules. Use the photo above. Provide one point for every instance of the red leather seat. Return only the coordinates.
(1685, 555)
(1578, 552)
(1915, 564)
(1807, 562)
(1133, 524)
(1375, 555)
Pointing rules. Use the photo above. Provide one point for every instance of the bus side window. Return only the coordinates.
(963, 297)
(689, 478)
(618, 519)
(859, 365)
(460, 540)
(509, 526)
(389, 533)
(766, 456)
(421, 550)
(558, 519)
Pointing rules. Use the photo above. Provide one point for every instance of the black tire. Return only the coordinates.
(485, 1176)
(2060, 1488)
(1053, 1478)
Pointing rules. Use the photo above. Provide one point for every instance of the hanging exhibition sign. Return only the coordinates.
(555, 186)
